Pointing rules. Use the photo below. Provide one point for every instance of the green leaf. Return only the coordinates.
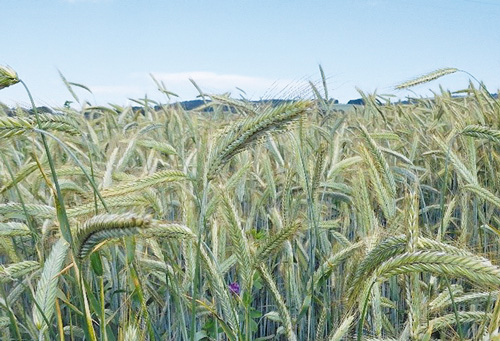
(96, 263)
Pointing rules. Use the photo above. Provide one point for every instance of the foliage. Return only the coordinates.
(251, 221)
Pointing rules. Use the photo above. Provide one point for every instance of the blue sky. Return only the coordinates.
(267, 48)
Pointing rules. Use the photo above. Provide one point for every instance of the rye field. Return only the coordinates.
(245, 221)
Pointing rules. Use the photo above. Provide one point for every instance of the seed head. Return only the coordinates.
(8, 77)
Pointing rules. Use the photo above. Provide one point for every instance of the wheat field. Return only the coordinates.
(243, 221)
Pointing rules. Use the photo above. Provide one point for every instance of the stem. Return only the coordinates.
(61, 209)
(59, 321)
(12, 317)
(455, 310)
(62, 217)
(363, 313)
(104, 336)
(313, 236)
(140, 294)
(197, 273)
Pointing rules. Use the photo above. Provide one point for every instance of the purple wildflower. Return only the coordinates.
(234, 288)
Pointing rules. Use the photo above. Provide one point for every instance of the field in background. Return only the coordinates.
(296, 221)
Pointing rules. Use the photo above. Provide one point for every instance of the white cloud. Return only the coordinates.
(211, 82)
(138, 85)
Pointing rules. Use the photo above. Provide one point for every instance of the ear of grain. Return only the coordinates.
(320, 329)
(127, 154)
(447, 217)
(435, 245)
(381, 162)
(482, 132)
(464, 317)
(163, 230)
(241, 134)
(426, 78)
(276, 241)
(364, 210)
(161, 147)
(107, 226)
(318, 167)
(477, 270)
(8, 247)
(340, 332)
(241, 106)
(365, 236)
(10, 126)
(385, 198)
(459, 166)
(239, 241)
(131, 333)
(16, 270)
(45, 294)
(8, 77)
(441, 303)
(376, 309)
(146, 182)
(382, 252)
(134, 202)
(325, 269)
(413, 232)
(13, 229)
(24, 172)
(16, 210)
(63, 123)
(483, 193)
